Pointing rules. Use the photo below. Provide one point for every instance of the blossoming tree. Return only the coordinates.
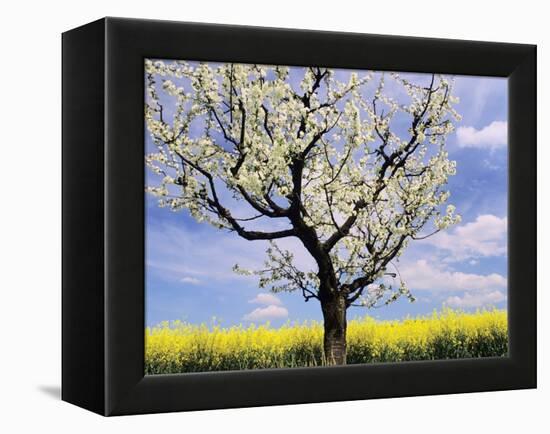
(351, 170)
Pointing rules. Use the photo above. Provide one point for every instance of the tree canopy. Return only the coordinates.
(354, 168)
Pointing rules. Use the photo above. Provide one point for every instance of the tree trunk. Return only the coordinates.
(334, 314)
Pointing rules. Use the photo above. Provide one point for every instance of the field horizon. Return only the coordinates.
(179, 347)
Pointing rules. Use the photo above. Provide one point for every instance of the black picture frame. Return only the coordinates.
(103, 216)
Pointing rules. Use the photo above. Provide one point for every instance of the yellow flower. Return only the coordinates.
(181, 347)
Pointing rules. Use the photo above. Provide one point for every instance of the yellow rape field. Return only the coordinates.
(181, 347)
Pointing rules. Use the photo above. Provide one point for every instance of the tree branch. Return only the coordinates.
(225, 214)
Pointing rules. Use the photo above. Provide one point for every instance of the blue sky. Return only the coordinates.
(189, 265)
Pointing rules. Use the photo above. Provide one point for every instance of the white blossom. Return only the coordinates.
(325, 156)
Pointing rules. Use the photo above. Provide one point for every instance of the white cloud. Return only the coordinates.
(476, 300)
(476, 92)
(266, 313)
(190, 280)
(266, 300)
(420, 275)
(484, 237)
(492, 136)
(491, 165)
(273, 309)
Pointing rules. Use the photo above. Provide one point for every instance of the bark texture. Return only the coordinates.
(335, 326)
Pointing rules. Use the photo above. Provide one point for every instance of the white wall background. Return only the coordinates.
(30, 231)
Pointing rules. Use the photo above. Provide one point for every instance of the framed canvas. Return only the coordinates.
(256, 216)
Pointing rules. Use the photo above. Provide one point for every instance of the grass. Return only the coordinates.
(178, 347)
